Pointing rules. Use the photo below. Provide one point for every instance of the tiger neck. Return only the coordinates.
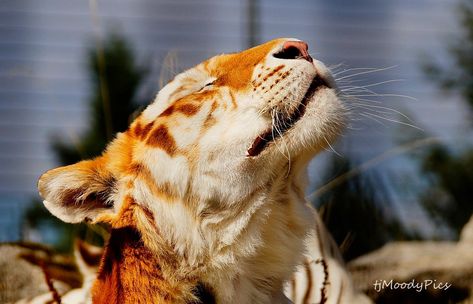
(263, 242)
(131, 273)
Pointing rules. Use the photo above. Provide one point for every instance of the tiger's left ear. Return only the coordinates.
(79, 192)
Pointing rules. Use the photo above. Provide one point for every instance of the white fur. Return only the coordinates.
(239, 223)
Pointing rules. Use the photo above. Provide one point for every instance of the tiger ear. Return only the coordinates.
(79, 192)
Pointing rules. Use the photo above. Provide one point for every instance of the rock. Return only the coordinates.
(22, 275)
(428, 264)
(466, 235)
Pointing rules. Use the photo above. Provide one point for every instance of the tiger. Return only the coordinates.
(87, 258)
(204, 192)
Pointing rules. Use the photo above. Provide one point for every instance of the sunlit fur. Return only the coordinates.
(187, 206)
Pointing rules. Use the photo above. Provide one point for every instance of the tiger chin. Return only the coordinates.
(204, 193)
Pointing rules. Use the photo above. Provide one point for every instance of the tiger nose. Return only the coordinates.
(294, 50)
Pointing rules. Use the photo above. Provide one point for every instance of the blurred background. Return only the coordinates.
(402, 172)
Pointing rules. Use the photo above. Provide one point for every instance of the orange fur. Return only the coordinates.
(236, 70)
(160, 137)
(130, 272)
(190, 212)
(187, 109)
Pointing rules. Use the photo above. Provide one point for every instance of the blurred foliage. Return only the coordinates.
(115, 78)
(459, 75)
(38, 218)
(450, 173)
(449, 200)
(355, 211)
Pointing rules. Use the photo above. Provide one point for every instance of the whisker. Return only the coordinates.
(365, 105)
(331, 147)
(371, 163)
(277, 122)
(352, 99)
(373, 119)
(357, 90)
(382, 82)
(387, 95)
(366, 72)
(335, 67)
(395, 121)
(354, 69)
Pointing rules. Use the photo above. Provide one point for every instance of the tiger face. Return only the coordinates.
(255, 101)
(200, 169)
(240, 118)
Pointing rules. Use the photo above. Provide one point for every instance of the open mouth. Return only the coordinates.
(283, 125)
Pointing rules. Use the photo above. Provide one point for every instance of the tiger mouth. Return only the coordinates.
(283, 125)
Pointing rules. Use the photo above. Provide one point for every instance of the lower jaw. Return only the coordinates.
(268, 137)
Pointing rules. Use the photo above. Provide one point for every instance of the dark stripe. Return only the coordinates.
(49, 283)
(293, 285)
(204, 294)
(161, 138)
(308, 291)
(323, 295)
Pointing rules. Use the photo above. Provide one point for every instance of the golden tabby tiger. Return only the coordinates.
(205, 191)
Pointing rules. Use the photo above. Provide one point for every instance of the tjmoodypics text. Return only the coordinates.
(418, 286)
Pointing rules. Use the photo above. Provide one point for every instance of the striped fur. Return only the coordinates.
(87, 258)
(322, 277)
(204, 191)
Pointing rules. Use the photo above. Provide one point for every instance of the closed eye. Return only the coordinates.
(209, 84)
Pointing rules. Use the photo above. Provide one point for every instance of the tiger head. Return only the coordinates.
(214, 136)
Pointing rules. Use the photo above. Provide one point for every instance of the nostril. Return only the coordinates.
(294, 50)
(290, 52)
